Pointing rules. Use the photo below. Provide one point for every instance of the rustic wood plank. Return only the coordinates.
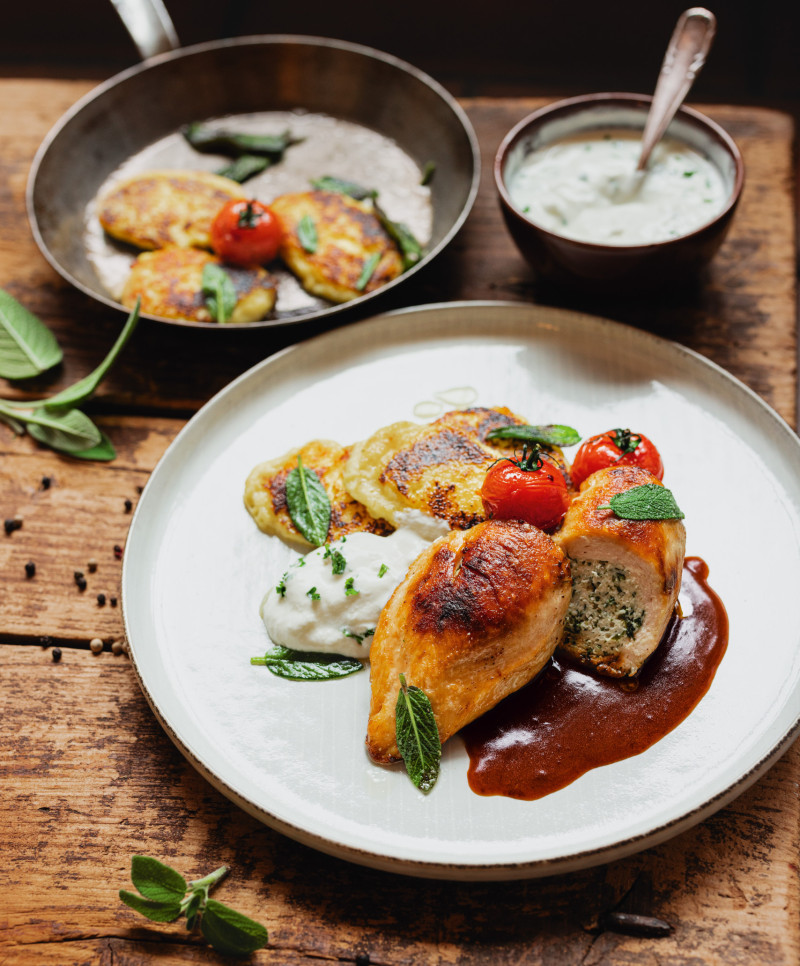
(87, 791)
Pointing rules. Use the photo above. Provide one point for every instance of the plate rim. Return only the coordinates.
(477, 871)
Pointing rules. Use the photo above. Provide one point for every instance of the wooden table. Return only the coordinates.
(89, 777)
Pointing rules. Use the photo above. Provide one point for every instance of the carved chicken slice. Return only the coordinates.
(626, 575)
(477, 616)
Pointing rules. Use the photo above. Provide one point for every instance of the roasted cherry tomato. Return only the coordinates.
(246, 233)
(617, 446)
(531, 489)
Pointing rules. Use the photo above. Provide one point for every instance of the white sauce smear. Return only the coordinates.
(584, 187)
(330, 599)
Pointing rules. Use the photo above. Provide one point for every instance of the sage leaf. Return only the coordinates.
(80, 391)
(13, 422)
(410, 249)
(157, 881)
(308, 504)
(551, 435)
(417, 735)
(193, 907)
(307, 234)
(367, 271)
(342, 187)
(151, 908)
(27, 347)
(103, 452)
(231, 932)
(650, 501)
(244, 167)
(71, 431)
(428, 172)
(219, 292)
(307, 665)
(219, 141)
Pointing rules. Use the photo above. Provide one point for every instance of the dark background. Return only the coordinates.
(473, 48)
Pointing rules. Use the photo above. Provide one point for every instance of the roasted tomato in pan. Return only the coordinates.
(616, 446)
(531, 489)
(246, 233)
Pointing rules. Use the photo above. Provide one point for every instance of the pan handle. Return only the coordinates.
(149, 25)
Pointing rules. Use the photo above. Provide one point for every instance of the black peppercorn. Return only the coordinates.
(128, 505)
(101, 600)
(11, 524)
(56, 654)
(30, 569)
(117, 552)
(46, 481)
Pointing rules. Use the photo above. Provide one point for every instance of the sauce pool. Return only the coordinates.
(570, 720)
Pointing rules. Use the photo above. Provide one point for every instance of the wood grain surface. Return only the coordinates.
(89, 777)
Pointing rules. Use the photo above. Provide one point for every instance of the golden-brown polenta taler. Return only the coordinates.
(160, 208)
(347, 236)
(265, 494)
(437, 469)
(169, 282)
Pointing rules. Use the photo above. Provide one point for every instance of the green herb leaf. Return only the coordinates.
(27, 347)
(81, 390)
(193, 907)
(550, 435)
(151, 908)
(342, 187)
(367, 271)
(244, 167)
(307, 234)
(349, 589)
(417, 735)
(157, 881)
(650, 501)
(337, 559)
(219, 292)
(219, 141)
(307, 665)
(104, 452)
(410, 249)
(68, 432)
(308, 504)
(428, 172)
(231, 932)
(382, 569)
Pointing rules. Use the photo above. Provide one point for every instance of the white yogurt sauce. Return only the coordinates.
(330, 599)
(584, 187)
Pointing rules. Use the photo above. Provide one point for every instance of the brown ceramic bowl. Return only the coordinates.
(615, 269)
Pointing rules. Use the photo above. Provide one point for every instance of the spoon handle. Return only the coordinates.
(687, 51)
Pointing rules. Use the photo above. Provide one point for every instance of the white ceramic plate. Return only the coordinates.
(292, 754)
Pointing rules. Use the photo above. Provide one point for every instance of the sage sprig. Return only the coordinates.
(650, 501)
(307, 234)
(552, 434)
(208, 139)
(340, 186)
(164, 896)
(27, 347)
(56, 421)
(417, 735)
(244, 167)
(308, 503)
(219, 292)
(308, 665)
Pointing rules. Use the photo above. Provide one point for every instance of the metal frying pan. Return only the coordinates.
(126, 115)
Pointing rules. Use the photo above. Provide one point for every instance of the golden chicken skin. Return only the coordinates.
(626, 575)
(164, 208)
(169, 283)
(335, 245)
(477, 616)
(265, 494)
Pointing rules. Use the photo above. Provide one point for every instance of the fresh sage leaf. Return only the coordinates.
(81, 390)
(27, 347)
(308, 504)
(104, 452)
(231, 932)
(244, 167)
(219, 141)
(13, 422)
(307, 665)
(151, 908)
(71, 431)
(219, 292)
(157, 881)
(410, 249)
(370, 264)
(650, 501)
(417, 735)
(428, 172)
(550, 435)
(342, 187)
(193, 907)
(307, 234)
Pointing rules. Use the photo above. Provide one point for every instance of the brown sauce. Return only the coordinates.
(570, 720)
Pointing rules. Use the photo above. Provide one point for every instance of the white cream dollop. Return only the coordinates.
(584, 187)
(330, 599)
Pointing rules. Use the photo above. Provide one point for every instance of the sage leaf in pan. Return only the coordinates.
(27, 347)
(308, 504)
(219, 292)
(244, 167)
(370, 264)
(342, 187)
(550, 435)
(212, 140)
(307, 234)
(307, 665)
(650, 501)
(417, 735)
